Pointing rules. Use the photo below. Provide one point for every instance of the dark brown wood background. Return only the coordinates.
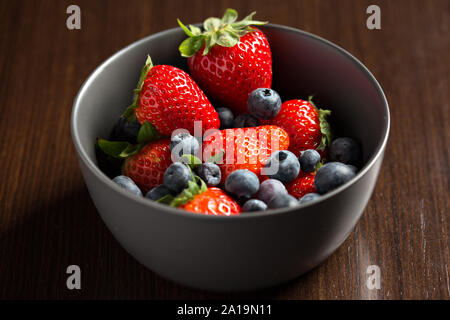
(47, 220)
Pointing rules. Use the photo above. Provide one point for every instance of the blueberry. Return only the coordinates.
(332, 175)
(125, 131)
(226, 118)
(183, 143)
(128, 184)
(282, 165)
(345, 150)
(176, 177)
(271, 188)
(210, 173)
(354, 169)
(309, 159)
(283, 201)
(242, 183)
(245, 120)
(254, 205)
(264, 103)
(308, 197)
(157, 192)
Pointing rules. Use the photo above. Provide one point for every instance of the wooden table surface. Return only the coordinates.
(47, 220)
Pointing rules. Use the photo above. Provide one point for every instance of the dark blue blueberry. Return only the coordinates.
(309, 159)
(332, 175)
(183, 143)
(345, 150)
(283, 201)
(176, 177)
(308, 197)
(245, 120)
(157, 192)
(210, 173)
(125, 131)
(226, 118)
(264, 103)
(254, 205)
(242, 183)
(128, 184)
(271, 188)
(282, 165)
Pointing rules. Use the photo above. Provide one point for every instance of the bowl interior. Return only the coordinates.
(303, 64)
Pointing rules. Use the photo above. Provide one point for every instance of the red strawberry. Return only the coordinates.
(213, 201)
(244, 148)
(169, 99)
(306, 125)
(303, 184)
(146, 168)
(229, 59)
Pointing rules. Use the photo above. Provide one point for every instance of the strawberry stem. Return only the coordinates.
(225, 32)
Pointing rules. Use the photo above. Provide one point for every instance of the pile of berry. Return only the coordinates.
(252, 153)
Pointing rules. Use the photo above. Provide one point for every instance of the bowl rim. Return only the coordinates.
(95, 170)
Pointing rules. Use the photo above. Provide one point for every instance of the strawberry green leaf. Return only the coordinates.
(195, 30)
(319, 165)
(224, 32)
(216, 158)
(210, 41)
(310, 100)
(188, 32)
(147, 133)
(191, 45)
(123, 149)
(195, 187)
(247, 21)
(192, 161)
(212, 24)
(129, 112)
(229, 16)
(130, 151)
(228, 39)
(113, 148)
(191, 172)
(167, 199)
(325, 129)
(186, 195)
(201, 184)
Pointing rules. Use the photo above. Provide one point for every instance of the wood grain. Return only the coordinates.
(47, 220)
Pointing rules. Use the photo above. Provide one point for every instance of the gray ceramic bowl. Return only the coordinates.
(248, 251)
